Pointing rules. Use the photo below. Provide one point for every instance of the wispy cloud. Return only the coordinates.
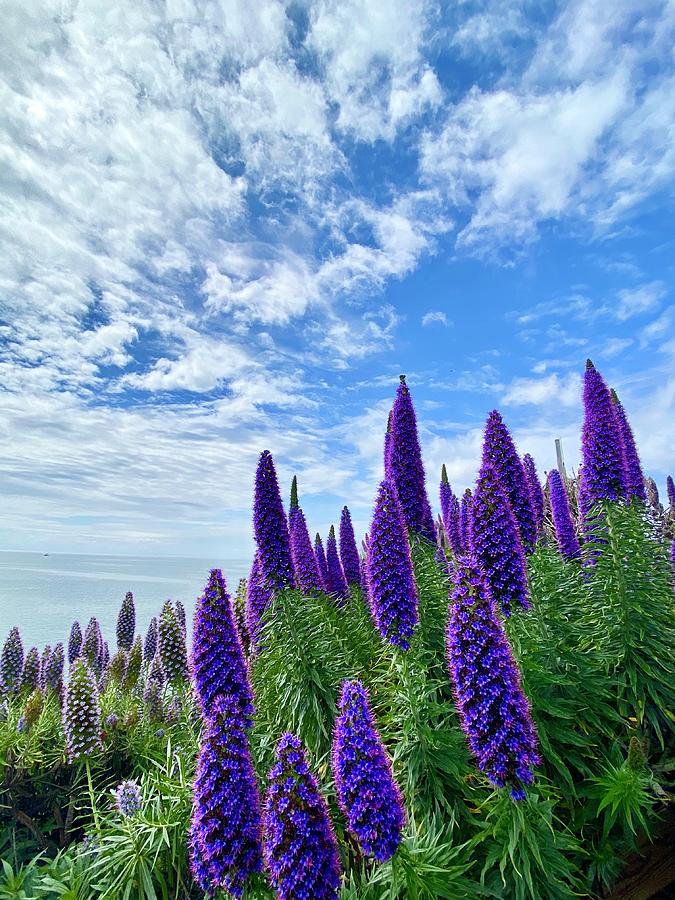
(434, 315)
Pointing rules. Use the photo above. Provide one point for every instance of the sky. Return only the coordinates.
(229, 227)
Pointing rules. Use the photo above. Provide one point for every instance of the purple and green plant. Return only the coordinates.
(270, 527)
(635, 481)
(150, 642)
(302, 552)
(74, 642)
(563, 523)
(536, 492)
(30, 677)
(604, 476)
(321, 561)
(126, 623)
(171, 646)
(258, 598)
(337, 583)
(81, 712)
(11, 663)
(349, 554)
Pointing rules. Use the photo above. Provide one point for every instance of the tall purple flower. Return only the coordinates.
(670, 490)
(321, 561)
(128, 798)
(495, 541)
(74, 642)
(225, 846)
(217, 658)
(536, 492)
(391, 582)
(302, 553)
(500, 452)
(270, 527)
(387, 447)
(81, 712)
(30, 677)
(446, 497)
(453, 529)
(653, 495)
(635, 482)
(258, 597)
(43, 665)
(92, 645)
(301, 851)
(134, 664)
(150, 643)
(601, 446)
(465, 520)
(11, 663)
(349, 555)
(563, 523)
(367, 793)
(53, 674)
(493, 710)
(126, 623)
(406, 467)
(180, 616)
(337, 583)
(171, 645)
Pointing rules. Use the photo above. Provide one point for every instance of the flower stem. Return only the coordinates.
(92, 800)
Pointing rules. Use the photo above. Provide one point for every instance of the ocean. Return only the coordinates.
(43, 595)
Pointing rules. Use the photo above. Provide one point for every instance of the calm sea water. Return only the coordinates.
(44, 594)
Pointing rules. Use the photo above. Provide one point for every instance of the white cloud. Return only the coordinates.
(539, 391)
(435, 315)
(635, 301)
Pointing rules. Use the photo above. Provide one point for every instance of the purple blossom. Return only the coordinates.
(495, 541)
(563, 523)
(453, 527)
(128, 798)
(171, 645)
(134, 664)
(54, 673)
(270, 527)
(406, 467)
(81, 712)
(74, 642)
(387, 447)
(337, 583)
(258, 597)
(117, 667)
(126, 623)
(239, 613)
(92, 646)
(670, 490)
(180, 616)
(536, 492)
(43, 665)
(225, 846)
(493, 710)
(349, 555)
(391, 582)
(153, 701)
(367, 793)
(446, 497)
(105, 656)
(112, 721)
(30, 677)
(321, 561)
(465, 521)
(301, 851)
(635, 482)
(601, 447)
(150, 643)
(174, 710)
(217, 658)
(499, 452)
(11, 662)
(304, 560)
(653, 495)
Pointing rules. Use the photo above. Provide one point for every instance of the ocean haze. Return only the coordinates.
(44, 594)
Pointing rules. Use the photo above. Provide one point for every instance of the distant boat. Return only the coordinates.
(45, 554)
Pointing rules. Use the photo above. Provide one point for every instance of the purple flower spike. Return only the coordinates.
(171, 645)
(367, 793)
(321, 561)
(391, 582)
(301, 851)
(337, 583)
(499, 451)
(387, 447)
(446, 498)
(217, 658)
(270, 527)
(670, 490)
(406, 467)
(601, 447)
(74, 643)
(127, 798)
(43, 666)
(30, 677)
(349, 555)
(453, 528)
(536, 492)
(465, 520)
(81, 712)
(11, 663)
(493, 710)
(258, 597)
(150, 643)
(92, 646)
(635, 482)
(53, 676)
(653, 495)
(126, 623)
(495, 541)
(180, 616)
(304, 560)
(563, 523)
(226, 821)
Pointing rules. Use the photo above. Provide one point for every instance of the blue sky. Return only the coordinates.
(229, 227)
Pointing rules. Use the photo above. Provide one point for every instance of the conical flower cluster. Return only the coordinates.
(128, 798)
(30, 677)
(337, 584)
(258, 597)
(391, 583)
(11, 663)
(43, 665)
(217, 657)
(536, 492)
(225, 846)
(302, 553)
(349, 555)
(670, 490)
(495, 541)
(465, 520)
(53, 675)
(126, 623)
(270, 527)
(81, 712)
(405, 465)
(601, 447)
(74, 642)
(92, 646)
(453, 527)
(565, 533)
(321, 561)
(493, 710)
(150, 642)
(499, 452)
(134, 665)
(367, 793)
(635, 482)
(445, 497)
(171, 645)
(301, 851)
